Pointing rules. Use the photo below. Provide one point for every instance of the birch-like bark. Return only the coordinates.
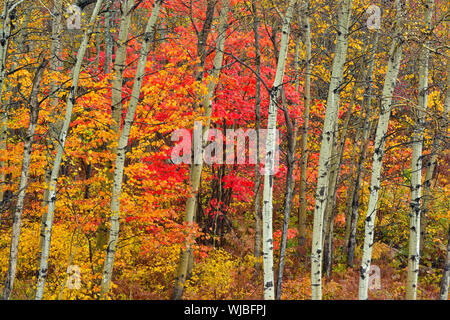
(304, 138)
(291, 128)
(267, 211)
(26, 159)
(350, 189)
(122, 146)
(116, 99)
(380, 139)
(353, 215)
(337, 157)
(59, 154)
(443, 294)
(109, 40)
(335, 182)
(120, 65)
(199, 74)
(97, 49)
(331, 118)
(55, 59)
(416, 166)
(338, 153)
(257, 204)
(353, 203)
(55, 128)
(9, 6)
(197, 164)
(327, 214)
(436, 150)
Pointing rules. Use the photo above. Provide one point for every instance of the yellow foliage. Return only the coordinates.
(213, 278)
(380, 250)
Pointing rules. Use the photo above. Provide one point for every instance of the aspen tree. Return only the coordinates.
(304, 137)
(380, 139)
(121, 149)
(116, 97)
(330, 125)
(109, 39)
(267, 211)
(416, 165)
(197, 165)
(431, 166)
(352, 213)
(71, 99)
(291, 129)
(202, 42)
(330, 211)
(337, 157)
(436, 149)
(5, 36)
(362, 134)
(20, 44)
(34, 105)
(443, 294)
(55, 65)
(257, 204)
(120, 65)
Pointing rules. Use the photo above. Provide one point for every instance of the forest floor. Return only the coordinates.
(342, 284)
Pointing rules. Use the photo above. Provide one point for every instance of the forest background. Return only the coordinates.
(92, 205)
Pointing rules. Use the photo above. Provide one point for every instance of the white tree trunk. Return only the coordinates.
(55, 128)
(119, 66)
(116, 101)
(416, 166)
(446, 274)
(257, 190)
(197, 164)
(59, 154)
(267, 211)
(330, 209)
(122, 146)
(304, 139)
(443, 294)
(432, 165)
(438, 144)
(291, 136)
(26, 159)
(331, 119)
(5, 35)
(109, 39)
(380, 139)
(352, 211)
